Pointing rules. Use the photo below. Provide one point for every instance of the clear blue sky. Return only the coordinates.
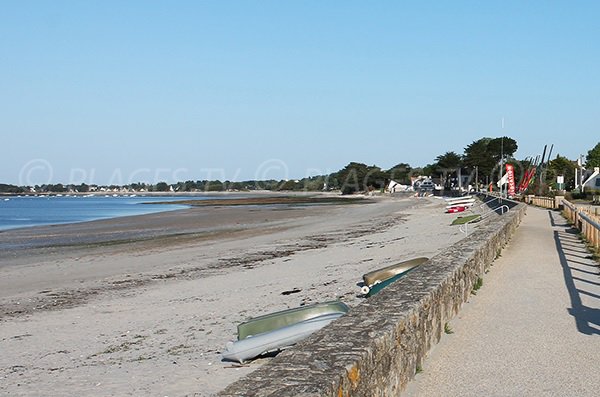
(121, 91)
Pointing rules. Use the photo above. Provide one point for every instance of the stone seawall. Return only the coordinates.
(376, 348)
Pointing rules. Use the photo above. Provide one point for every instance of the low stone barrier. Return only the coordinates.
(376, 348)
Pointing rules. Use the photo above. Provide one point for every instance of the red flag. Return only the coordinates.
(510, 171)
(522, 187)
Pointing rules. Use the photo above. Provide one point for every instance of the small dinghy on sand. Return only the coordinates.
(272, 321)
(279, 339)
(276, 331)
(378, 276)
(463, 203)
(453, 210)
(459, 198)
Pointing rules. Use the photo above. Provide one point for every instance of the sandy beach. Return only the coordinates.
(142, 306)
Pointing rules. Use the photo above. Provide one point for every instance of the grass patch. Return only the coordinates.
(419, 369)
(447, 329)
(477, 286)
(461, 220)
(594, 253)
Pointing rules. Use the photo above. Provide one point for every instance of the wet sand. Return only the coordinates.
(143, 305)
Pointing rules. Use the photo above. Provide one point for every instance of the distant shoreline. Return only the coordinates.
(197, 220)
(273, 200)
(149, 194)
(168, 202)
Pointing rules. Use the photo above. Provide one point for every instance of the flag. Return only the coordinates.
(510, 174)
(503, 180)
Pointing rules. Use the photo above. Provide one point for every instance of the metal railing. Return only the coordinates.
(464, 228)
(494, 198)
(588, 224)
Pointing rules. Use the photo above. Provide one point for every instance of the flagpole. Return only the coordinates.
(502, 159)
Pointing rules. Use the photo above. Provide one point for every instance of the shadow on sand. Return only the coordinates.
(586, 275)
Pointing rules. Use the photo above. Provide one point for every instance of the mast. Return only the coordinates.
(502, 159)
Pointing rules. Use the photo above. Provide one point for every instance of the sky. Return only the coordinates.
(115, 92)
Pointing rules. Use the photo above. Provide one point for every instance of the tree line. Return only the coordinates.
(480, 160)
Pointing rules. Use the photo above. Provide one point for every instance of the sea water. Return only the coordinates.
(27, 211)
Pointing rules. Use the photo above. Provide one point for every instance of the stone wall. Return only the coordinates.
(376, 348)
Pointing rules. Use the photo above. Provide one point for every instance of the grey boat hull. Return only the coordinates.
(272, 321)
(380, 275)
(279, 339)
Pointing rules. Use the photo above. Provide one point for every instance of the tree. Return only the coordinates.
(314, 183)
(4, 188)
(476, 155)
(593, 157)
(504, 145)
(561, 166)
(289, 185)
(428, 170)
(139, 186)
(356, 177)
(485, 154)
(400, 173)
(82, 188)
(162, 187)
(213, 186)
(448, 161)
(376, 178)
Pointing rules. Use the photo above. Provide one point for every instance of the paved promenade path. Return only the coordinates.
(533, 329)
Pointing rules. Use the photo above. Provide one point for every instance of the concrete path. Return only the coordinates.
(533, 329)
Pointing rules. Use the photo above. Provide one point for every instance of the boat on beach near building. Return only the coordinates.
(380, 275)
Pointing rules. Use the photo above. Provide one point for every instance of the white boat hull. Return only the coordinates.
(460, 198)
(467, 203)
(254, 346)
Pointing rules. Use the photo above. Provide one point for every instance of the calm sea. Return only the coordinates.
(29, 211)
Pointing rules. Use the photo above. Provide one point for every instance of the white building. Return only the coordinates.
(394, 187)
(593, 181)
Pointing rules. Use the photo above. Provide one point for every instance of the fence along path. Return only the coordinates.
(585, 219)
(533, 329)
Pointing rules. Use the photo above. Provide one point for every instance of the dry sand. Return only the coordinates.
(142, 306)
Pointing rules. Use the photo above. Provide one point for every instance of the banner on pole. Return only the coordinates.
(510, 171)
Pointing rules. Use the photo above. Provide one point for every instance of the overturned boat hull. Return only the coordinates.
(272, 321)
(278, 339)
(377, 287)
(379, 275)
(466, 203)
(459, 198)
